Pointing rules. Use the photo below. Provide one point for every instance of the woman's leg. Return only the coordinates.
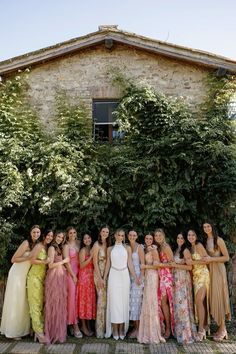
(166, 312)
(201, 311)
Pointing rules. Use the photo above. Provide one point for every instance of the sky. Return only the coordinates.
(28, 25)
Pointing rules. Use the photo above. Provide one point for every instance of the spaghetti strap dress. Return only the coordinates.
(218, 291)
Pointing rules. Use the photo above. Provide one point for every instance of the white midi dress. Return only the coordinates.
(118, 290)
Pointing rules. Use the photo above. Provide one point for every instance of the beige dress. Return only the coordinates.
(218, 292)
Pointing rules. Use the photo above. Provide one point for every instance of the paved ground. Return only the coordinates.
(128, 346)
(95, 346)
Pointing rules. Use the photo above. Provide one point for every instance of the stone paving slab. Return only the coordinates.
(4, 347)
(226, 348)
(198, 348)
(60, 348)
(95, 348)
(26, 348)
(163, 348)
(129, 348)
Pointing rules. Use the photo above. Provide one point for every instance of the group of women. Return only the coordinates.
(150, 285)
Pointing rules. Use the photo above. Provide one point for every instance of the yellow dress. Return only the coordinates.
(219, 293)
(35, 292)
(201, 277)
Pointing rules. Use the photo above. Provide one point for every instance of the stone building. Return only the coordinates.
(82, 67)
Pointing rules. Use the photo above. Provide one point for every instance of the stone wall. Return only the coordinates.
(85, 76)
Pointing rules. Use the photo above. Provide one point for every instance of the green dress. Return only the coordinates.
(35, 292)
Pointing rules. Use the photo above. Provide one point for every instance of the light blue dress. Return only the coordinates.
(136, 291)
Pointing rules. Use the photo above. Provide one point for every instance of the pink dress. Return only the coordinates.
(55, 299)
(86, 292)
(72, 299)
(149, 327)
(166, 289)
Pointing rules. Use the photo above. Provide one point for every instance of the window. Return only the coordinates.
(105, 127)
(232, 108)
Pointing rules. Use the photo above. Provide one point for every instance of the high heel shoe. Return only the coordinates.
(221, 336)
(40, 337)
(201, 335)
(122, 336)
(116, 337)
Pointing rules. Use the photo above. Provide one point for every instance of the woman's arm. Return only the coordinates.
(223, 249)
(169, 253)
(141, 259)
(108, 263)
(82, 255)
(95, 264)
(51, 256)
(187, 256)
(202, 252)
(131, 266)
(68, 265)
(18, 255)
(34, 254)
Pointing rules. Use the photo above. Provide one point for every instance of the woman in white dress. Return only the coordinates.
(15, 321)
(119, 260)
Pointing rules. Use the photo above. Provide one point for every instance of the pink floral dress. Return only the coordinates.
(166, 289)
(185, 328)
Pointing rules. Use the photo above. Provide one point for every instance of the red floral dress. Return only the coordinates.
(86, 292)
(166, 289)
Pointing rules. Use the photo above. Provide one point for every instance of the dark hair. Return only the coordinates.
(214, 233)
(131, 229)
(54, 244)
(183, 247)
(29, 239)
(108, 239)
(148, 234)
(189, 246)
(82, 238)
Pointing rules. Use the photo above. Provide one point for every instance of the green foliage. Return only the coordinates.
(173, 168)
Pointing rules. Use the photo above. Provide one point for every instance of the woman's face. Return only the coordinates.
(207, 228)
(72, 235)
(104, 233)
(35, 234)
(87, 240)
(49, 237)
(120, 236)
(132, 236)
(159, 237)
(180, 240)
(192, 237)
(59, 238)
(148, 240)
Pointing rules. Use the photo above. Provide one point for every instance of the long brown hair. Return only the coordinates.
(58, 248)
(29, 239)
(214, 233)
(108, 239)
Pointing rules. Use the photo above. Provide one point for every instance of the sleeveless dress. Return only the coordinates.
(100, 323)
(218, 293)
(35, 292)
(201, 278)
(185, 329)
(15, 314)
(118, 290)
(149, 326)
(136, 291)
(55, 303)
(166, 289)
(72, 288)
(86, 292)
